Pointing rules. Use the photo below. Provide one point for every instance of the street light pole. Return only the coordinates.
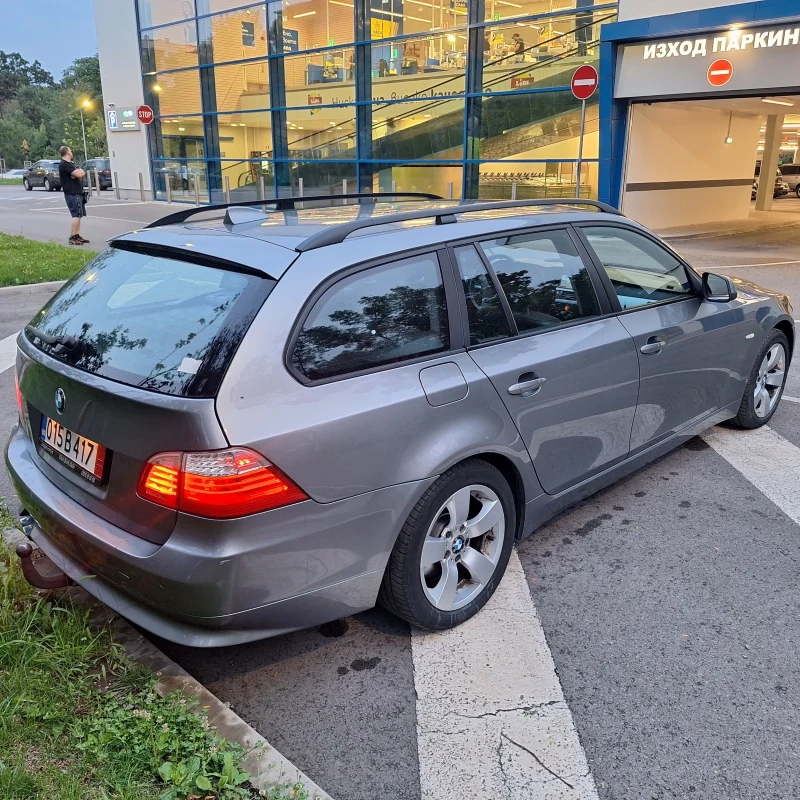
(85, 104)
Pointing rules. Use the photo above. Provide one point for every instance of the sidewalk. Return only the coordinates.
(779, 217)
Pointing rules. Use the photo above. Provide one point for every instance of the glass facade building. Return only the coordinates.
(464, 98)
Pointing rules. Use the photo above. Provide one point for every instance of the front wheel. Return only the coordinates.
(48, 187)
(27, 184)
(453, 549)
(765, 386)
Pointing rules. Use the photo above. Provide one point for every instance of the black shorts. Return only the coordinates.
(75, 204)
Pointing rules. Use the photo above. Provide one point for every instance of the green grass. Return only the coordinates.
(78, 721)
(10, 181)
(24, 261)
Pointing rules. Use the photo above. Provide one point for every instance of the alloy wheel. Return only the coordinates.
(462, 547)
(769, 382)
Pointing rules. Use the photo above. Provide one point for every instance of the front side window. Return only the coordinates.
(641, 271)
(487, 320)
(543, 278)
(379, 316)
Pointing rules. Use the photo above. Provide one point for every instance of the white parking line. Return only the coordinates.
(764, 264)
(492, 721)
(8, 352)
(770, 462)
(65, 213)
(790, 399)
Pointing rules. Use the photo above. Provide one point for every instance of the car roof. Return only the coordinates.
(293, 230)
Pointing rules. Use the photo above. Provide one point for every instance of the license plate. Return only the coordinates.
(80, 454)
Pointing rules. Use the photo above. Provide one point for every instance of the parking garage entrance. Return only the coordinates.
(704, 127)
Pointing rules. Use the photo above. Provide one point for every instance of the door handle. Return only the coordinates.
(653, 347)
(527, 386)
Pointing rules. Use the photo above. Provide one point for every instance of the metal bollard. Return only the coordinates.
(228, 189)
(394, 186)
(141, 188)
(89, 183)
(344, 189)
(116, 185)
(168, 185)
(300, 186)
(450, 190)
(196, 190)
(514, 190)
(262, 195)
(97, 181)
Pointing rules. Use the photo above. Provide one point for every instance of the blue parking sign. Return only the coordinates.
(113, 120)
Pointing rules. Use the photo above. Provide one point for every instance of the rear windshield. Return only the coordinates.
(155, 322)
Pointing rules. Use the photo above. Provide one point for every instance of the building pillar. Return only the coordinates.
(769, 162)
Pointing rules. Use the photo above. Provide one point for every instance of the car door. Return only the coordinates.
(38, 173)
(688, 368)
(565, 368)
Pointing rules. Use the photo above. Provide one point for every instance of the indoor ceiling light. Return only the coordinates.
(418, 19)
(234, 125)
(340, 3)
(506, 3)
(181, 129)
(304, 14)
(776, 102)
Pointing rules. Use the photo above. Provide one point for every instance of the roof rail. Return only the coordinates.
(441, 216)
(286, 203)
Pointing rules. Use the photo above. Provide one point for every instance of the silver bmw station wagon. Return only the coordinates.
(249, 419)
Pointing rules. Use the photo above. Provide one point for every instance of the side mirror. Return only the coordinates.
(718, 288)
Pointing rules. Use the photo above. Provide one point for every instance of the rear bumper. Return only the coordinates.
(213, 583)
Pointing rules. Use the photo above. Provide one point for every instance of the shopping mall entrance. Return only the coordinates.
(702, 126)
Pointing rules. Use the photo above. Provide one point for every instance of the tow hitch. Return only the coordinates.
(41, 572)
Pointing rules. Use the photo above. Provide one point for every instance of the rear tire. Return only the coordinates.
(797, 190)
(27, 184)
(765, 385)
(446, 564)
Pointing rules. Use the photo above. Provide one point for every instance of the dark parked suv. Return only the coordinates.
(235, 426)
(43, 173)
(103, 168)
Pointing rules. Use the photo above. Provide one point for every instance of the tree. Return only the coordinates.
(84, 76)
(16, 72)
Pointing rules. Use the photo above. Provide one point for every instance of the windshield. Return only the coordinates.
(155, 322)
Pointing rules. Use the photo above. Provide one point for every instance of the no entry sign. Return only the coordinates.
(584, 82)
(720, 72)
(145, 114)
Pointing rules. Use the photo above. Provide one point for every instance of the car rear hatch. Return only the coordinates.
(125, 362)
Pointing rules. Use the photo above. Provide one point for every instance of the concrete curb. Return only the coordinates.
(718, 234)
(49, 287)
(267, 767)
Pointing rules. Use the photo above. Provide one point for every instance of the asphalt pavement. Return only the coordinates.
(668, 603)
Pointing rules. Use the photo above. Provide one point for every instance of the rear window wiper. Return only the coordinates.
(63, 343)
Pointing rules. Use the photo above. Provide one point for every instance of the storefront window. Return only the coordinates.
(240, 87)
(238, 35)
(181, 137)
(186, 179)
(442, 179)
(427, 66)
(503, 180)
(319, 178)
(322, 133)
(498, 10)
(175, 92)
(160, 12)
(331, 67)
(244, 179)
(245, 136)
(390, 18)
(418, 129)
(172, 47)
(308, 24)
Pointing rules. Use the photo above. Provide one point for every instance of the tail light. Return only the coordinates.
(221, 484)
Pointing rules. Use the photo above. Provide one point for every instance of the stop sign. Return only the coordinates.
(720, 72)
(584, 82)
(145, 114)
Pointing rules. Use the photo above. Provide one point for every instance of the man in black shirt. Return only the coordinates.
(72, 187)
(518, 47)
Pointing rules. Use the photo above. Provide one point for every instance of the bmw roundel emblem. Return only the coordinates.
(61, 401)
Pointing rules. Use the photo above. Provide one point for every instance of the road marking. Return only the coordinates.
(8, 351)
(790, 399)
(100, 216)
(765, 264)
(770, 462)
(492, 721)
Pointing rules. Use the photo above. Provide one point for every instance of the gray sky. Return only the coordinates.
(53, 31)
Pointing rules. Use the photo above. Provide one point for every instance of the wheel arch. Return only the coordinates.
(787, 329)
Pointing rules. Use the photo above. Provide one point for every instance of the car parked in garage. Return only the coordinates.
(781, 187)
(43, 173)
(239, 422)
(791, 177)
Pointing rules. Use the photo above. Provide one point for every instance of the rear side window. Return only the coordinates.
(543, 278)
(380, 316)
(157, 323)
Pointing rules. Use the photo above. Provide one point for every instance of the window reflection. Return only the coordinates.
(160, 12)
(172, 47)
(487, 319)
(380, 316)
(238, 35)
(175, 92)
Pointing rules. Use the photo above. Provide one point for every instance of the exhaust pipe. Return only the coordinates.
(51, 576)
